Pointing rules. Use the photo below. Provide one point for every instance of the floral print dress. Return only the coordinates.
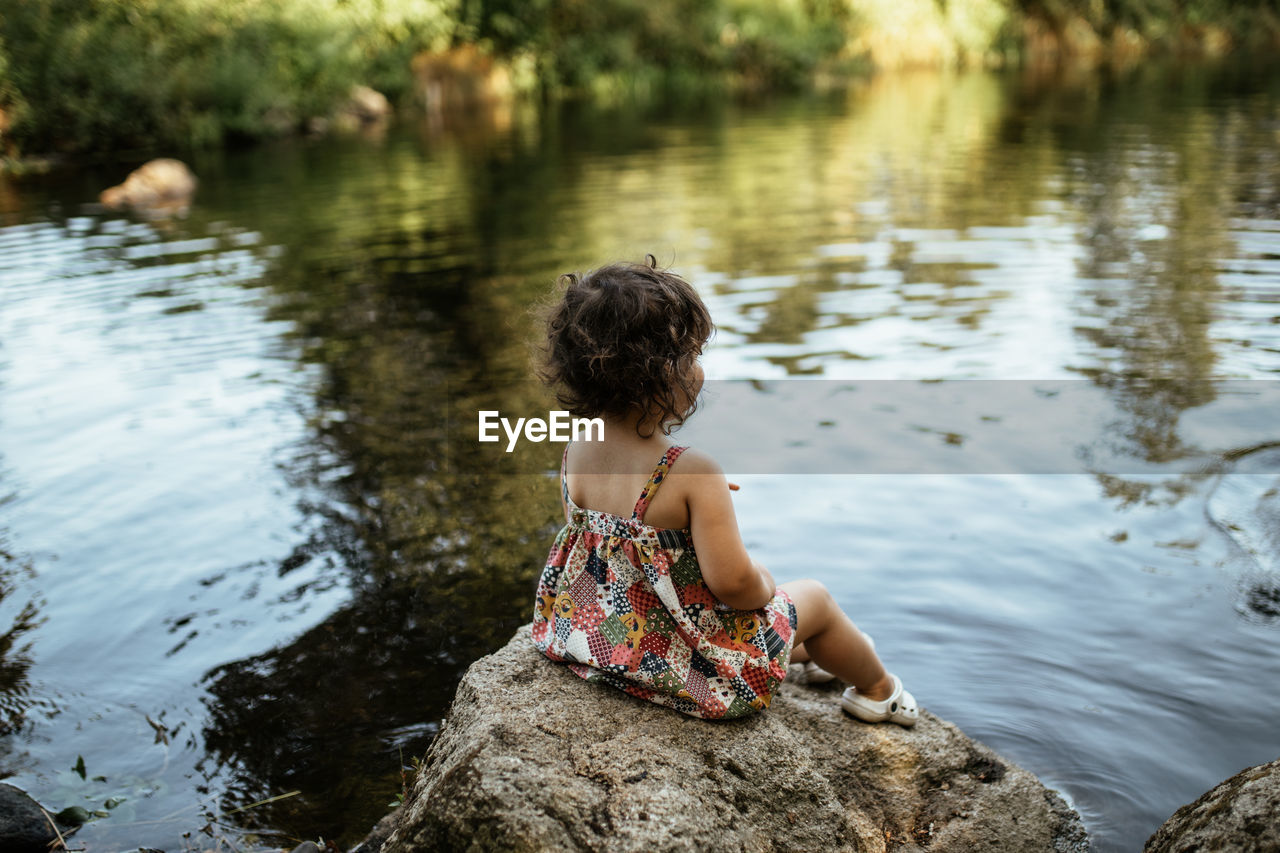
(624, 604)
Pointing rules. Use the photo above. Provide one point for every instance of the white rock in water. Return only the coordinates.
(162, 183)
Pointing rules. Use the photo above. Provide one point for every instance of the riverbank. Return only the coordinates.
(79, 78)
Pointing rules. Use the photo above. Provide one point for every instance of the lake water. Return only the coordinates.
(244, 555)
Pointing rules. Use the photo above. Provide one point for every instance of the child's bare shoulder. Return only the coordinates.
(697, 462)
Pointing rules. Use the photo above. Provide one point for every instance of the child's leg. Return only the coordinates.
(833, 642)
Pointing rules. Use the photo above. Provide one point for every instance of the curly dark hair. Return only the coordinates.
(625, 337)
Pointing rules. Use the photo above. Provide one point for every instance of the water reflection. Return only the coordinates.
(19, 616)
(1172, 282)
(1156, 221)
(16, 694)
(440, 559)
(1161, 307)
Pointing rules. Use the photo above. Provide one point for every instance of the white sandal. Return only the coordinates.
(899, 708)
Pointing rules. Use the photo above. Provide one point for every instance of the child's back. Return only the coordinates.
(624, 599)
(625, 603)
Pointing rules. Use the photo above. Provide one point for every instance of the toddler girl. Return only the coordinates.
(625, 599)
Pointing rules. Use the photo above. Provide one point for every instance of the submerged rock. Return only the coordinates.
(534, 758)
(1241, 815)
(1263, 599)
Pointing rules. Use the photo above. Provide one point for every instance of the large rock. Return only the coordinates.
(1241, 815)
(24, 826)
(534, 758)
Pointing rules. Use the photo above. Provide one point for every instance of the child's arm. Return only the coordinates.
(730, 573)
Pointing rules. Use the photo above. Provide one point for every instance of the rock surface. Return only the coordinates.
(534, 758)
(1241, 815)
(23, 825)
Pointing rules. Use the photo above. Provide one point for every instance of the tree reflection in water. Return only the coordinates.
(1158, 220)
(441, 558)
(16, 694)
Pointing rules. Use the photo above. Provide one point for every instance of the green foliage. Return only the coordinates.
(114, 73)
(124, 73)
(601, 46)
(593, 46)
(101, 74)
(1158, 19)
(780, 43)
(12, 105)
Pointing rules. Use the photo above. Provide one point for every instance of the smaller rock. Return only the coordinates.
(1238, 815)
(1264, 600)
(364, 108)
(23, 824)
(163, 185)
(368, 104)
(307, 847)
(73, 816)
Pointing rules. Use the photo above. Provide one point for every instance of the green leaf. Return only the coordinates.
(112, 802)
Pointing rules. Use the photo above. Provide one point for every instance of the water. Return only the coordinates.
(236, 564)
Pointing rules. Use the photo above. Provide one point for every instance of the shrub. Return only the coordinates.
(116, 73)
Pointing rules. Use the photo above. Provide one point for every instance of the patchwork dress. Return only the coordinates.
(624, 604)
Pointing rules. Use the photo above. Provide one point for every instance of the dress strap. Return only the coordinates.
(564, 479)
(659, 474)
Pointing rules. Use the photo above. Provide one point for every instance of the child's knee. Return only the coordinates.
(817, 591)
(813, 596)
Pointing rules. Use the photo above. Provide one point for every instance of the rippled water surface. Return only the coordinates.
(235, 565)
